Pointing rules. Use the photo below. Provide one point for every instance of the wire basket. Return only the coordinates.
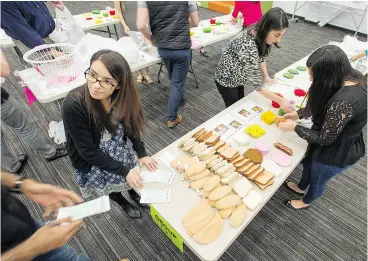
(58, 63)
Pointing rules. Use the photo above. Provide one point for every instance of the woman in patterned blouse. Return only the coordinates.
(242, 63)
(338, 106)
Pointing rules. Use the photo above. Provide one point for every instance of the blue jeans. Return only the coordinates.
(64, 253)
(315, 176)
(177, 65)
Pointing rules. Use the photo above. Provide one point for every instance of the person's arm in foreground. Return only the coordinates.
(4, 67)
(48, 237)
(121, 16)
(142, 18)
(235, 13)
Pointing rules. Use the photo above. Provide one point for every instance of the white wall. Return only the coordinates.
(315, 12)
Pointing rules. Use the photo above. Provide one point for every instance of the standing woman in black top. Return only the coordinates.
(338, 106)
(99, 118)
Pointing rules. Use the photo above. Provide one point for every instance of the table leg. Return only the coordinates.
(19, 53)
(191, 70)
(108, 30)
(116, 32)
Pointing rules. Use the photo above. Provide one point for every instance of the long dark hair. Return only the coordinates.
(330, 68)
(274, 19)
(125, 99)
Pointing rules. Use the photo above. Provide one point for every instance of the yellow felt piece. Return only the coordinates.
(255, 131)
(268, 117)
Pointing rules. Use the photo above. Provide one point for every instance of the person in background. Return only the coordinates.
(99, 118)
(250, 10)
(170, 34)
(29, 23)
(24, 238)
(120, 9)
(243, 61)
(338, 105)
(13, 116)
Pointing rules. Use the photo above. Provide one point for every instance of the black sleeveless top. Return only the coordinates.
(339, 141)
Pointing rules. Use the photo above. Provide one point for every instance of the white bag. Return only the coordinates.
(66, 28)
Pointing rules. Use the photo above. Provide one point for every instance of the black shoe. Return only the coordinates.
(204, 53)
(131, 210)
(290, 189)
(22, 158)
(59, 154)
(288, 204)
(136, 198)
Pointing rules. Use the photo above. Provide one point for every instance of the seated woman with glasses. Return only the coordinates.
(99, 118)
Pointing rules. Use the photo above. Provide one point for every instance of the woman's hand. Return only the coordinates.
(287, 125)
(126, 29)
(269, 80)
(286, 106)
(292, 116)
(133, 179)
(149, 162)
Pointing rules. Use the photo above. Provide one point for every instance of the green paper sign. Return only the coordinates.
(167, 229)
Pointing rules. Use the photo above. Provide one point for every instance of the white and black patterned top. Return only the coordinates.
(240, 63)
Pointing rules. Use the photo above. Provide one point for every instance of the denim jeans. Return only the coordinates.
(315, 176)
(64, 253)
(177, 65)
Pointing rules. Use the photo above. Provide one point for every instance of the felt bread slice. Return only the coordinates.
(213, 139)
(219, 165)
(198, 149)
(261, 186)
(185, 163)
(227, 174)
(198, 184)
(211, 203)
(238, 216)
(211, 231)
(237, 154)
(245, 167)
(242, 162)
(209, 134)
(228, 201)
(176, 162)
(214, 162)
(195, 169)
(207, 157)
(198, 132)
(205, 194)
(199, 137)
(190, 146)
(256, 173)
(218, 144)
(228, 153)
(195, 210)
(230, 178)
(252, 169)
(197, 227)
(252, 200)
(219, 193)
(211, 183)
(200, 175)
(209, 151)
(183, 141)
(202, 215)
(204, 136)
(225, 213)
(237, 158)
(264, 177)
(222, 148)
(242, 187)
(224, 169)
(188, 142)
(212, 158)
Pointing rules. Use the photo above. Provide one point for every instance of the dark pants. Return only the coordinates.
(315, 176)
(177, 65)
(230, 95)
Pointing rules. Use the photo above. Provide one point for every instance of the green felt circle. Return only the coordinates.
(293, 71)
(288, 75)
(301, 68)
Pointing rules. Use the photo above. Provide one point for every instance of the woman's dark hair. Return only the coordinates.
(330, 68)
(125, 99)
(274, 19)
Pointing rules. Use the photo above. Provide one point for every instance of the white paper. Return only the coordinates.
(160, 176)
(248, 111)
(167, 158)
(154, 196)
(227, 126)
(90, 208)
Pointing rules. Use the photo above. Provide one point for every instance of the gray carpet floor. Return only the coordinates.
(334, 229)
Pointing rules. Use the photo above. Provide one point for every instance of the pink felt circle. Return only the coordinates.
(262, 147)
(281, 159)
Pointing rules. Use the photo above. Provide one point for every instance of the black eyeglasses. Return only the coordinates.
(107, 84)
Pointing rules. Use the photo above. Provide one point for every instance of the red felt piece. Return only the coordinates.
(299, 92)
(89, 18)
(112, 12)
(212, 21)
(275, 104)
